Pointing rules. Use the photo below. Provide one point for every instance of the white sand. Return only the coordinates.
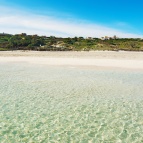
(107, 59)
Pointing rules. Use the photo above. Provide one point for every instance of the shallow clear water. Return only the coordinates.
(41, 104)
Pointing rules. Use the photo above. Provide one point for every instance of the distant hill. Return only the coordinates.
(43, 43)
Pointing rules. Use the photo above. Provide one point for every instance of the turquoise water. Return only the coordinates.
(44, 104)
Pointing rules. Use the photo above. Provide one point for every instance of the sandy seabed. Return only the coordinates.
(63, 97)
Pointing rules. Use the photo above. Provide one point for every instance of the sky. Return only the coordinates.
(70, 18)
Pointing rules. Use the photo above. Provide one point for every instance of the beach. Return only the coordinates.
(96, 59)
(71, 97)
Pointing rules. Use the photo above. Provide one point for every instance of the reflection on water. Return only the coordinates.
(41, 104)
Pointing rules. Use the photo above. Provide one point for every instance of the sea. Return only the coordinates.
(67, 104)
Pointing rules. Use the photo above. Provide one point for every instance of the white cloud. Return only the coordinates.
(15, 21)
(124, 24)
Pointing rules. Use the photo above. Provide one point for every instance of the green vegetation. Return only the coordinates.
(43, 43)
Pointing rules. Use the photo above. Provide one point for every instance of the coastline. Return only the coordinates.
(75, 54)
(97, 59)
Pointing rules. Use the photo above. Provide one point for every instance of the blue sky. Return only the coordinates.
(72, 17)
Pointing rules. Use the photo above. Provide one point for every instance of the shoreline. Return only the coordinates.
(97, 59)
(73, 54)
